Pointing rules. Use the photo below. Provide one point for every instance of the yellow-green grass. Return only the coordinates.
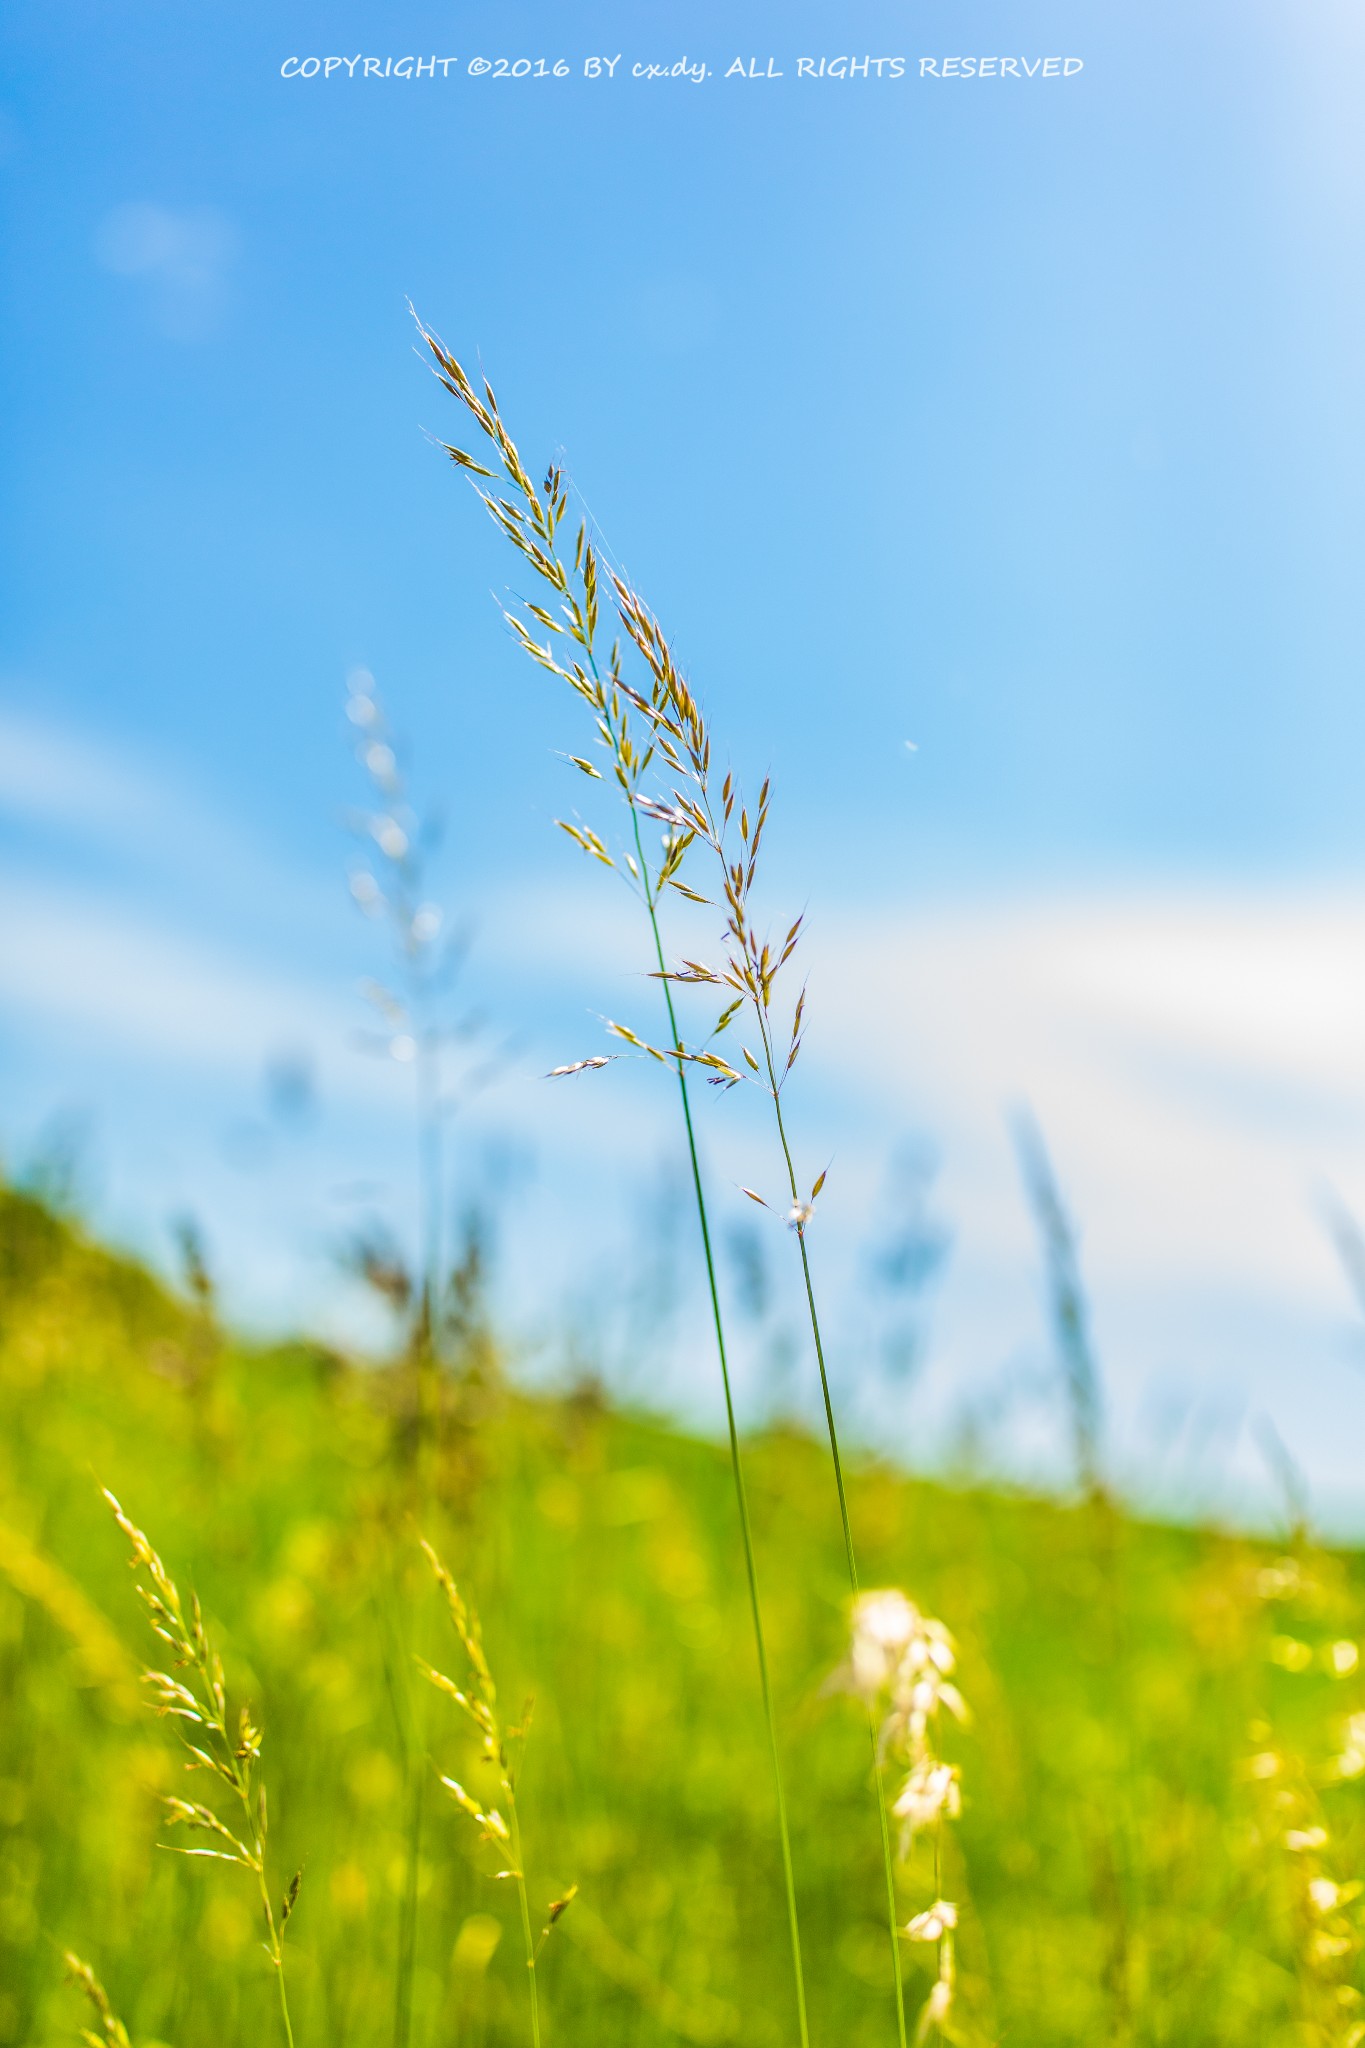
(1126, 1876)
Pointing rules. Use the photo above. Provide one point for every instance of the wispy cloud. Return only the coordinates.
(94, 967)
(183, 255)
(83, 792)
(51, 774)
(1196, 1057)
(1149, 1027)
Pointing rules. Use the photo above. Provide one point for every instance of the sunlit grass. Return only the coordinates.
(1133, 1687)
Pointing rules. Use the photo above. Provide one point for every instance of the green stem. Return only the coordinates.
(892, 1924)
(276, 1948)
(284, 2003)
(736, 1465)
(426, 1411)
(525, 1913)
(429, 1169)
(407, 1928)
(406, 1630)
(849, 1555)
(425, 1358)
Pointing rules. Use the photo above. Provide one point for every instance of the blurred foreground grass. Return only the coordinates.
(1126, 1865)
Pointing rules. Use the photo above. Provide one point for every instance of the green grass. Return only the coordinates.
(1124, 1881)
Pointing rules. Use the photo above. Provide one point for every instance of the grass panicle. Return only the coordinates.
(112, 2032)
(563, 636)
(901, 1665)
(659, 724)
(746, 979)
(227, 1751)
(501, 1750)
(419, 1024)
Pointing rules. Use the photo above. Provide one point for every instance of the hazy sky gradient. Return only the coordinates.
(1018, 419)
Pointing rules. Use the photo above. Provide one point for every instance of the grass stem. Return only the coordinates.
(277, 1957)
(736, 1464)
(407, 1923)
(850, 1555)
(515, 1829)
(530, 522)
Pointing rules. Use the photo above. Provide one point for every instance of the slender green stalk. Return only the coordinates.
(429, 1162)
(277, 1957)
(850, 1557)
(681, 735)
(407, 1923)
(680, 732)
(430, 1222)
(525, 1914)
(736, 1465)
(530, 523)
(284, 2010)
(405, 1620)
(425, 1366)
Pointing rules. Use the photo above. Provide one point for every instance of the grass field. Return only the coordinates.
(1126, 1873)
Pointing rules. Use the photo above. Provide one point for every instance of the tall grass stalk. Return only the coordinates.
(1117, 1862)
(1067, 1305)
(397, 1614)
(477, 1699)
(417, 1029)
(231, 1755)
(747, 981)
(414, 1761)
(414, 1025)
(530, 519)
(732, 1430)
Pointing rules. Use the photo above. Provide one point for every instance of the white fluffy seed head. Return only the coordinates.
(936, 1921)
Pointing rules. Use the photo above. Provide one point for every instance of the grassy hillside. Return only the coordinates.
(1125, 1857)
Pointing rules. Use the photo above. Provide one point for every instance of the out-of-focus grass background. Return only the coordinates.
(1022, 426)
(1123, 1881)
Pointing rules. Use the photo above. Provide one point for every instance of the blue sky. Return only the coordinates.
(1017, 418)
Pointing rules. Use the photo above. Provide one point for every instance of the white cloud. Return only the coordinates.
(96, 983)
(49, 773)
(153, 814)
(184, 254)
(96, 967)
(1196, 1058)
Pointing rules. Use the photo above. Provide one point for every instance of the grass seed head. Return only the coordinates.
(112, 2032)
